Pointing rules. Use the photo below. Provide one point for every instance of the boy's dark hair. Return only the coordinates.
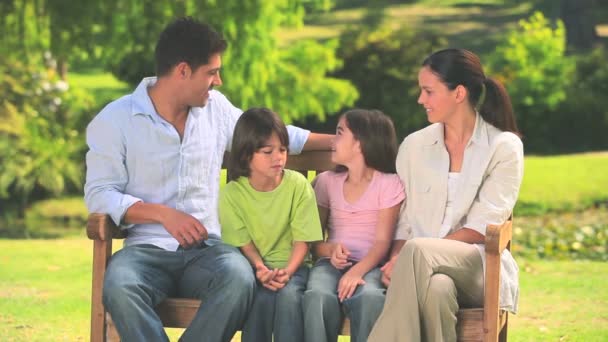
(252, 131)
(376, 133)
(186, 40)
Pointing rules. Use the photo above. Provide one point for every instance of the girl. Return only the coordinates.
(358, 205)
(270, 214)
(461, 173)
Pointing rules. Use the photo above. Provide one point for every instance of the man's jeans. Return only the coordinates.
(322, 314)
(279, 312)
(140, 277)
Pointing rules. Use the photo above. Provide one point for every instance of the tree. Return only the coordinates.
(579, 21)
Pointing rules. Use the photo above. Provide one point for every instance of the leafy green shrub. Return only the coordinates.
(532, 63)
(383, 63)
(41, 133)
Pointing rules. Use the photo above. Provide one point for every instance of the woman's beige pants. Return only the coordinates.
(431, 278)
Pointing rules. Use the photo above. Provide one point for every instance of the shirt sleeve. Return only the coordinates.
(297, 139)
(404, 228)
(106, 176)
(234, 230)
(305, 222)
(392, 192)
(297, 136)
(321, 190)
(499, 191)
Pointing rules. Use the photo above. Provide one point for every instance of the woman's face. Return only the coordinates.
(438, 101)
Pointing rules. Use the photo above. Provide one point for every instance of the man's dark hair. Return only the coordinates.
(252, 131)
(186, 40)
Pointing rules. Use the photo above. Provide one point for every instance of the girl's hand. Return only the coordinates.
(387, 270)
(348, 284)
(339, 257)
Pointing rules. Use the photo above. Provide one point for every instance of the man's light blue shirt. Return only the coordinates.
(136, 155)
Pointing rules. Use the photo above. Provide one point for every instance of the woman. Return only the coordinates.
(461, 173)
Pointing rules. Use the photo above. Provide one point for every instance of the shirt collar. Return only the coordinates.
(479, 136)
(142, 103)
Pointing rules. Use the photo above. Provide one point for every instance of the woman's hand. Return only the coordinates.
(348, 284)
(339, 257)
(387, 270)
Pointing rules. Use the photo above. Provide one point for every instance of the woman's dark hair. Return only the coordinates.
(186, 40)
(252, 131)
(376, 134)
(462, 67)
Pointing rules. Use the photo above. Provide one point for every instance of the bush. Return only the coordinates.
(577, 235)
(41, 140)
(532, 63)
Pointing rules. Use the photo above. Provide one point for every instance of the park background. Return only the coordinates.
(61, 61)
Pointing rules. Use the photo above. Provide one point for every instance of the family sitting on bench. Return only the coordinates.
(394, 239)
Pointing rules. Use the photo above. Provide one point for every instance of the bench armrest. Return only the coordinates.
(101, 227)
(497, 239)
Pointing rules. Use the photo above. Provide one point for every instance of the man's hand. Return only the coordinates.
(348, 284)
(339, 257)
(185, 228)
(387, 270)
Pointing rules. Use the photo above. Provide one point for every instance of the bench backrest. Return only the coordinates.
(317, 161)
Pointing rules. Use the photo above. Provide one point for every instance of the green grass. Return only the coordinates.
(563, 183)
(45, 295)
(475, 25)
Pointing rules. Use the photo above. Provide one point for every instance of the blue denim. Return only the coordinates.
(139, 277)
(322, 310)
(279, 312)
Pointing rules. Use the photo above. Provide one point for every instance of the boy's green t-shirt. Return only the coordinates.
(272, 220)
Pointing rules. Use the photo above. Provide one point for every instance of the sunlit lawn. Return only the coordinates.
(45, 295)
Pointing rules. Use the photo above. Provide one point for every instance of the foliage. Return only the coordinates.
(383, 63)
(573, 235)
(531, 62)
(583, 122)
(41, 147)
(291, 81)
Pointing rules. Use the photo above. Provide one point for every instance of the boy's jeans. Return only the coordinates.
(322, 314)
(140, 277)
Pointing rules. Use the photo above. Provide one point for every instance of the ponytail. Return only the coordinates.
(494, 106)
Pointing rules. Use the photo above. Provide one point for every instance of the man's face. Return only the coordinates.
(202, 80)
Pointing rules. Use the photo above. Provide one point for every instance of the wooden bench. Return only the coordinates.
(481, 324)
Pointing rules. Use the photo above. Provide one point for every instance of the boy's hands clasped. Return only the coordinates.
(274, 279)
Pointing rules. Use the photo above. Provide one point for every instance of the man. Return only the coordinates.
(153, 165)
